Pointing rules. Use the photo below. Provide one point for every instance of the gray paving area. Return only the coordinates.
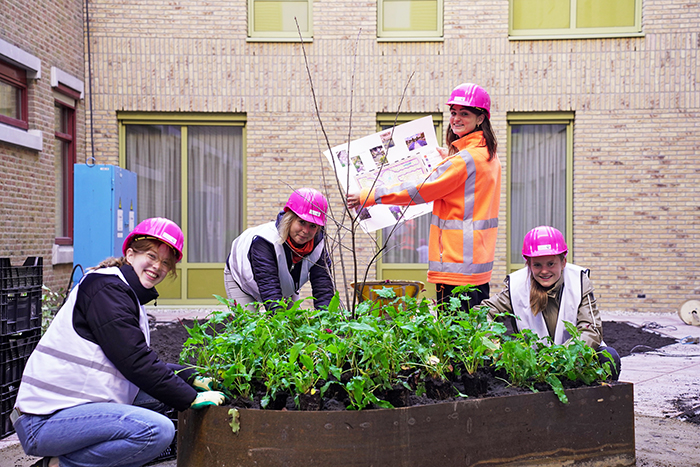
(664, 380)
(668, 374)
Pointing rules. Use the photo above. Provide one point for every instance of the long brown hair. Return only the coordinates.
(489, 136)
(139, 246)
(538, 294)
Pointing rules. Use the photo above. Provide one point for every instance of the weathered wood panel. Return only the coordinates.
(596, 428)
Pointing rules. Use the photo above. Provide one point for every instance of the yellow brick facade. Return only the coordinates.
(636, 219)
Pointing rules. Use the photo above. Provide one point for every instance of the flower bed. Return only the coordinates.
(596, 428)
(396, 385)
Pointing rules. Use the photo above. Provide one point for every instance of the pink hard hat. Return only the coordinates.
(544, 241)
(157, 228)
(309, 204)
(471, 95)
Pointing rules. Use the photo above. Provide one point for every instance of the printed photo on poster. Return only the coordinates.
(403, 154)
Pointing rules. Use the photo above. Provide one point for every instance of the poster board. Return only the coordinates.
(405, 153)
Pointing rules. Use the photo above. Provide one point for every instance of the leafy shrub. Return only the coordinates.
(299, 351)
(51, 302)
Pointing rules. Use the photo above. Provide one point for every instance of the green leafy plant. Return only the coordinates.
(51, 302)
(529, 360)
(401, 345)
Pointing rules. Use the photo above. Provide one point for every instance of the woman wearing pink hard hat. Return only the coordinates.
(548, 292)
(79, 402)
(272, 261)
(465, 189)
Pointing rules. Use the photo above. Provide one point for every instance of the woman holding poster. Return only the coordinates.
(465, 189)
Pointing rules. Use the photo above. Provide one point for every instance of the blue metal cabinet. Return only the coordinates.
(104, 212)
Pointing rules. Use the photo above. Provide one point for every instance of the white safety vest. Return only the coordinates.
(568, 305)
(242, 272)
(66, 370)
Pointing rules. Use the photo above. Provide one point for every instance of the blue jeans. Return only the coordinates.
(97, 434)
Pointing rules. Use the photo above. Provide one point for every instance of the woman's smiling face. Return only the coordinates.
(546, 269)
(301, 231)
(152, 265)
(463, 121)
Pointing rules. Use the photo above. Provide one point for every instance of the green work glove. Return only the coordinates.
(203, 383)
(208, 398)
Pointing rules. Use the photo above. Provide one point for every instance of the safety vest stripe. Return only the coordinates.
(59, 390)
(76, 360)
(410, 188)
(486, 224)
(460, 268)
(440, 169)
(464, 225)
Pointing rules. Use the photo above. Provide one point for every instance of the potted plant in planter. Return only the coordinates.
(398, 386)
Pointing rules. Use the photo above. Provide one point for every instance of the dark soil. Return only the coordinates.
(167, 340)
(628, 339)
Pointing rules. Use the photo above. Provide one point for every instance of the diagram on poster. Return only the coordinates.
(405, 153)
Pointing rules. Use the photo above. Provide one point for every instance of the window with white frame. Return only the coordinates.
(277, 20)
(540, 177)
(403, 20)
(575, 18)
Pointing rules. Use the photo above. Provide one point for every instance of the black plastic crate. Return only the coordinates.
(20, 295)
(8, 396)
(14, 353)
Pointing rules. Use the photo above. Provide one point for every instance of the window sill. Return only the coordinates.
(30, 139)
(410, 39)
(62, 254)
(279, 39)
(558, 37)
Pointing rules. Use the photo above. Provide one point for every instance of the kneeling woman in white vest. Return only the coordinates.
(548, 292)
(77, 404)
(272, 261)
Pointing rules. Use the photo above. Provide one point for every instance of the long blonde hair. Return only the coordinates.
(139, 246)
(286, 224)
(538, 294)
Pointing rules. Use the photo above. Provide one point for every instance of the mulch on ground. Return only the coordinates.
(628, 339)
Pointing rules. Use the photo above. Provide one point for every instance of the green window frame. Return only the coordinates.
(276, 20)
(180, 160)
(540, 173)
(409, 20)
(571, 19)
(394, 270)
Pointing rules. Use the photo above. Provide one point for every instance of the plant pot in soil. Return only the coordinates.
(596, 428)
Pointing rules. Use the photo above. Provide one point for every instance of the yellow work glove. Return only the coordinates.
(203, 383)
(206, 398)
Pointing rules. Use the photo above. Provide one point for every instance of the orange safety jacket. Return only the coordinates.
(466, 193)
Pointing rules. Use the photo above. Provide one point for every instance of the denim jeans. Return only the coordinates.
(97, 434)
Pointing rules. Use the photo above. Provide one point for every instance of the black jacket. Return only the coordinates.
(263, 261)
(107, 314)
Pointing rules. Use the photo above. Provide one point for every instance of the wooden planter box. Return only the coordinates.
(596, 428)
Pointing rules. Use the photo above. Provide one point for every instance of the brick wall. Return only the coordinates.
(635, 100)
(51, 30)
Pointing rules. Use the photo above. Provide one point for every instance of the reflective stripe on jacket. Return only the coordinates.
(465, 190)
(568, 306)
(58, 376)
